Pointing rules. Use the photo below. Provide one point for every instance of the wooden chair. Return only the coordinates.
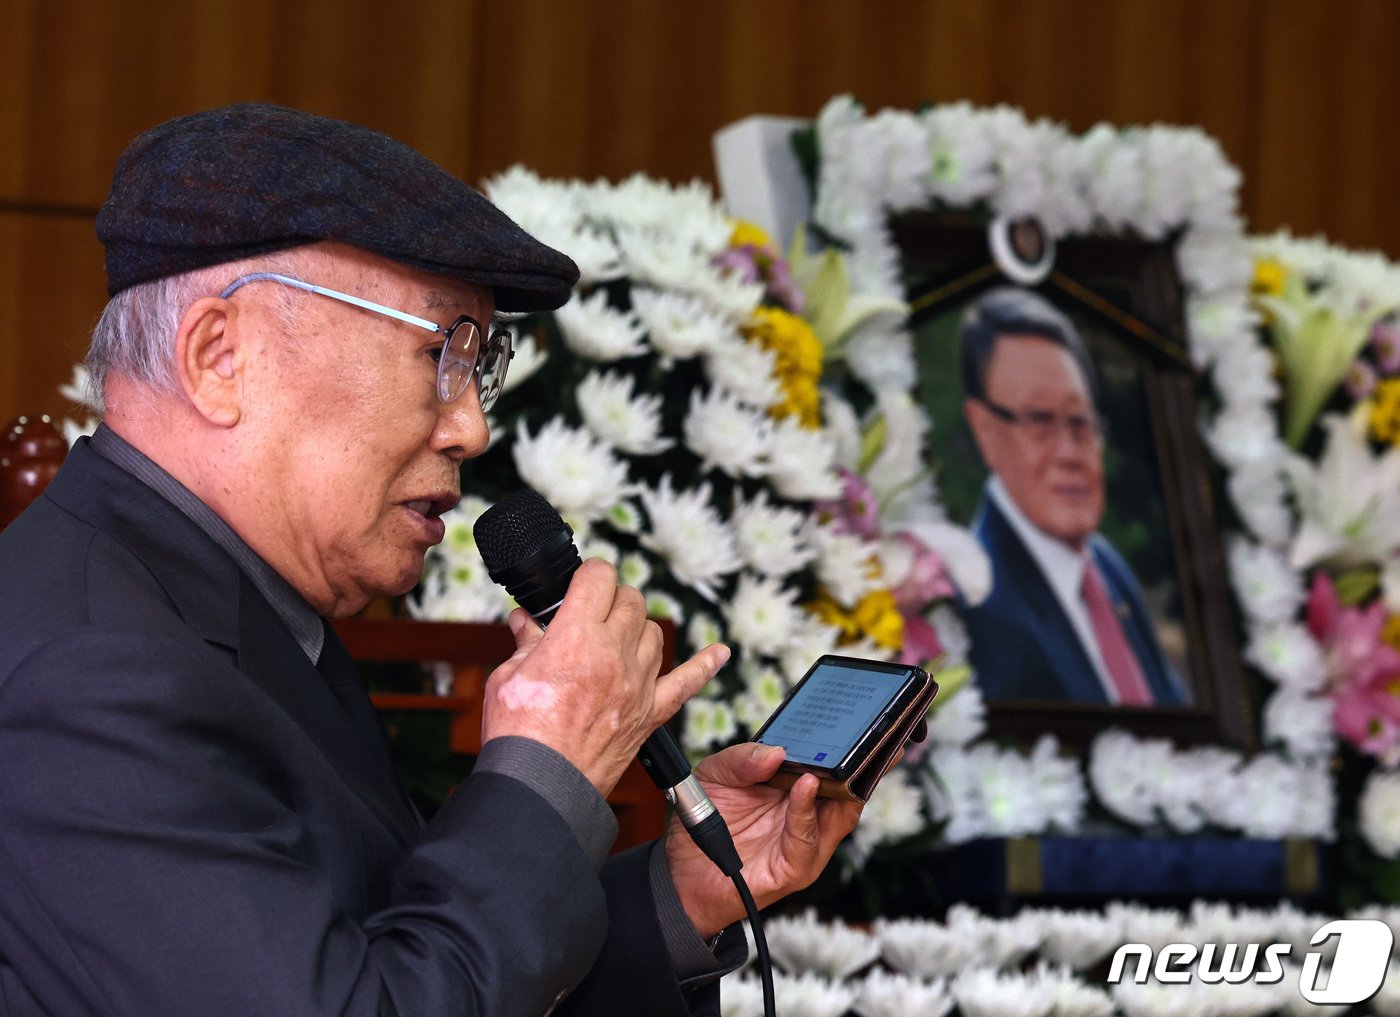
(31, 452)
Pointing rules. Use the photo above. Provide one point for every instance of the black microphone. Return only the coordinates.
(529, 549)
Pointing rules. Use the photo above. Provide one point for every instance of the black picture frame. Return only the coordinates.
(1127, 288)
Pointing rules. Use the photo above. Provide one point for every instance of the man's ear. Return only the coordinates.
(209, 360)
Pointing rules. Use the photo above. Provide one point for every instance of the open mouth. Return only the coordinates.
(434, 507)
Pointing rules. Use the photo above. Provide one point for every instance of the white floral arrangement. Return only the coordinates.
(1155, 182)
(671, 411)
(1043, 962)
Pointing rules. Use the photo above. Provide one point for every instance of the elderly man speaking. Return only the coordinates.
(198, 814)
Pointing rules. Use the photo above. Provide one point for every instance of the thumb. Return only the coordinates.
(741, 765)
(524, 628)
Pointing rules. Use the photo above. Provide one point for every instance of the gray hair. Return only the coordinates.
(136, 334)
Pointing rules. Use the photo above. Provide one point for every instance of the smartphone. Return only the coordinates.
(846, 722)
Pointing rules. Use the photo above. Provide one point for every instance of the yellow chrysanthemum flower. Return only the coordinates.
(878, 617)
(1390, 634)
(875, 616)
(1385, 411)
(747, 233)
(1269, 277)
(798, 363)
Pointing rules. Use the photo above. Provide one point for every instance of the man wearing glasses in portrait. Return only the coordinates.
(1065, 619)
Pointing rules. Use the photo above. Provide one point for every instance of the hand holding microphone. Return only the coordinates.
(587, 685)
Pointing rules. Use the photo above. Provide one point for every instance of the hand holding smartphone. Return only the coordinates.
(846, 722)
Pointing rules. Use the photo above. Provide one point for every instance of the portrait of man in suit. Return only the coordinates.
(1066, 618)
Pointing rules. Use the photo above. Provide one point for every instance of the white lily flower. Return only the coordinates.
(1349, 502)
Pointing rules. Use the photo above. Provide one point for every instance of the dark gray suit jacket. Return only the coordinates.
(191, 824)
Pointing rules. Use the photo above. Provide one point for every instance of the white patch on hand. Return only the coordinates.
(524, 694)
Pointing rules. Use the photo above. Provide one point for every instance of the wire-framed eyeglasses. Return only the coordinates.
(1043, 426)
(463, 354)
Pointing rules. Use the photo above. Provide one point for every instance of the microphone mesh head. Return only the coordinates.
(515, 528)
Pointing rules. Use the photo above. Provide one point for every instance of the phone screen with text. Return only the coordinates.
(827, 716)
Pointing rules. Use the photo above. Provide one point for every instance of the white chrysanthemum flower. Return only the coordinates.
(528, 357)
(1078, 939)
(686, 531)
(983, 992)
(728, 435)
(1379, 813)
(1265, 803)
(593, 546)
(762, 615)
(575, 473)
(1289, 655)
(952, 633)
(962, 160)
(538, 205)
(1269, 589)
(742, 995)
(460, 590)
(624, 517)
(811, 638)
(708, 722)
(702, 630)
(1075, 999)
(680, 326)
(1058, 786)
(1258, 492)
(846, 564)
(924, 949)
(663, 605)
(628, 422)
(1002, 942)
(959, 719)
(893, 813)
(802, 944)
(633, 569)
(745, 370)
(770, 538)
(765, 689)
(880, 352)
(726, 293)
(1123, 772)
(885, 994)
(1154, 926)
(801, 462)
(1244, 433)
(1301, 723)
(73, 429)
(80, 390)
(811, 996)
(595, 331)
(653, 258)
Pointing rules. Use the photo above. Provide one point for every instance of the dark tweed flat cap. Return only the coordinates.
(251, 179)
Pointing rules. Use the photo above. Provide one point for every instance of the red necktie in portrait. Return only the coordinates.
(1118, 656)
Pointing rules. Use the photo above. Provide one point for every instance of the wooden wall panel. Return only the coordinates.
(1296, 91)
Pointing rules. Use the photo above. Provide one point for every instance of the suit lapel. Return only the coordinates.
(1059, 642)
(271, 658)
(204, 584)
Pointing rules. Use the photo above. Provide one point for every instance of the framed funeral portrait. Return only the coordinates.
(1066, 441)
